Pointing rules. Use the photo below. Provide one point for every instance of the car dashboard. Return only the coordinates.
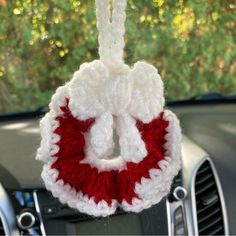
(201, 201)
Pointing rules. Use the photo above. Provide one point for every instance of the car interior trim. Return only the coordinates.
(192, 158)
(36, 202)
(7, 215)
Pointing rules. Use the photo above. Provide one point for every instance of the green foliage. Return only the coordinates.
(192, 43)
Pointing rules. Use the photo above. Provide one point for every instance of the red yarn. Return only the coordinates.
(105, 185)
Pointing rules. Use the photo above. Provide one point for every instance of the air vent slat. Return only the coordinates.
(214, 230)
(202, 209)
(203, 179)
(217, 230)
(203, 170)
(209, 223)
(204, 188)
(209, 210)
(205, 217)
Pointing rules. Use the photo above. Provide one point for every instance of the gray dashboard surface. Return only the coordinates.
(213, 127)
(19, 141)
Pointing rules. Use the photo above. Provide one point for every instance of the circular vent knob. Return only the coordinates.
(180, 193)
(26, 220)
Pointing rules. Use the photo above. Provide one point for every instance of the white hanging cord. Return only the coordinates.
(111, 32)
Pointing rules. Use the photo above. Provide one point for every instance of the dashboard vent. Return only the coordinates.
(209, 208)
(1, 228)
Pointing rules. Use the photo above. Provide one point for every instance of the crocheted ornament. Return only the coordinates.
(106, 97)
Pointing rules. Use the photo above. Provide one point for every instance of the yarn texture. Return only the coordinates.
(104, 97)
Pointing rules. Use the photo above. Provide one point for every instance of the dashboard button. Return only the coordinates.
(179, 224)
(179, 230)
(180, 193)
(178, 215)
(50, 210)
(26, 220)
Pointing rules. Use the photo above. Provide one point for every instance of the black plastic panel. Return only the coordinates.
(61, 220)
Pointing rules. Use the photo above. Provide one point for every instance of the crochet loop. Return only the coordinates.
(111, 28)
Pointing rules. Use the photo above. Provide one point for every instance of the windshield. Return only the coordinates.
(192, 43)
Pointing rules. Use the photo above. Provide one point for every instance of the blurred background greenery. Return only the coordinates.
(42, 42)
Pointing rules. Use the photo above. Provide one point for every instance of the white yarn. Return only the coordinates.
(114, 95)
(101, 136)
(47, 146)
(172, 148)
(111, 32)
(59, 99)
(131, 144)
(116, 163)
(85, 90)
(147, 96)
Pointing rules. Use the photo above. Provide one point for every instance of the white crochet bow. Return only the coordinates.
(114, 94)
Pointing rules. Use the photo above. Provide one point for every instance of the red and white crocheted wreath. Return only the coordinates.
(77, 135)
